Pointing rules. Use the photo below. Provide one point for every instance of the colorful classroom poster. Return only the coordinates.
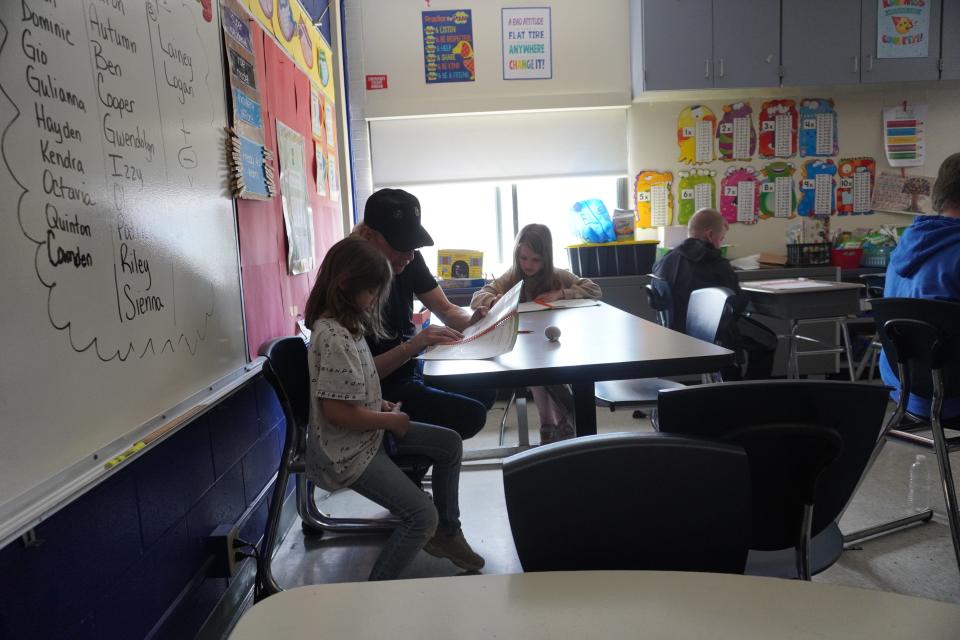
(297, 213)
(739, 195)
(778, 198)
(902, 194)
(855, 190)
(333, 178)
(736, 137)
(316, 113)
(696, 127)
(817, 185)
(654, 195)
(448, 46)
(903, 134)
(903, 28)
(818, 128)
(526, 41)
(778, 129)
(321, 169)
(697, 190)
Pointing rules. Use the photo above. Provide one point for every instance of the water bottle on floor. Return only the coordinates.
(918, 494)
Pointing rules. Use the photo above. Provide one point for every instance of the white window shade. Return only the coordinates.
(500, 146)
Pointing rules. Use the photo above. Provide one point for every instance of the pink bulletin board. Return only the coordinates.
(273, 300)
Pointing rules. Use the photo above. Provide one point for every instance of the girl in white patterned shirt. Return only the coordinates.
(346, 444)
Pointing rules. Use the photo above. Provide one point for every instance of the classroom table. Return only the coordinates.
(596, 343)
(596, 604)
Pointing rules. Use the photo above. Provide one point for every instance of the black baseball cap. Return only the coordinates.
(396, 215)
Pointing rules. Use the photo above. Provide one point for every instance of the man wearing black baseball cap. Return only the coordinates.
(391, 221)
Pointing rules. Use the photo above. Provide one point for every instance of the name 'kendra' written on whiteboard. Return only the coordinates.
(115, 131)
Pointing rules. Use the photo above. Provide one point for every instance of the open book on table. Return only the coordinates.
(494, 335)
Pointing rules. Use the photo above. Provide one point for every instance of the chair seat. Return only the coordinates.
(825, 548)
(632, 392)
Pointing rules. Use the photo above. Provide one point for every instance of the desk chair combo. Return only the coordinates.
(809, 443)
(921, 338)
(287, 372)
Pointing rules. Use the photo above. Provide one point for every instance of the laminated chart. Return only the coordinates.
(778, 129)
(696, 126)
(778, 198)
(818, 128)
(817, 188)
(855, 188)
(697, 190)
(739, 195)
(654, 193)
(736, 137)
(903, 135)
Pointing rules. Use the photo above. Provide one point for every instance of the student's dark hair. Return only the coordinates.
(536, 238)
(946, 190)
(351, 266)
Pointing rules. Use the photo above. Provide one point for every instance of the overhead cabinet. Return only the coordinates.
(821, 42)
(951, 44)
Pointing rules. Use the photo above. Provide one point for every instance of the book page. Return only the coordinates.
(493, 335)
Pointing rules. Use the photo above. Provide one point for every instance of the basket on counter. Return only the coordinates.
(809, 254)
(625, 258)
(846, 258)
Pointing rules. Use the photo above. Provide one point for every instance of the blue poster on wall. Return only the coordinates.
(448, 46)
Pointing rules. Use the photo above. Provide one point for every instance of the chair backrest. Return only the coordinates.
(854, 410)
(630, 501)
(709, 314)
(288, 373)
(874, 284)
(923, 335)
(660, 299)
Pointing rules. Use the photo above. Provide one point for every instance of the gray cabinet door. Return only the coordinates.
(746, 43)
(677, 42)
(951, 43)
(821, 42)
(898, 69)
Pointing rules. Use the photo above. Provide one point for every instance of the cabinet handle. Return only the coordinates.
(706, 69)
(869, 62)
(856, 64)
(721, 67)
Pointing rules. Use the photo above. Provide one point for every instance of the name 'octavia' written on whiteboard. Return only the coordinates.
(115, 146)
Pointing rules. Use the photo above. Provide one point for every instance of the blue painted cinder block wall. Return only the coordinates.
(129, 559)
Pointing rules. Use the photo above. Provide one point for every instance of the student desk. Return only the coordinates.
(596, 343)
(596, 604)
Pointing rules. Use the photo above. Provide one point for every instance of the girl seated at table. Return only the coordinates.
(352, 426)
(542, 282)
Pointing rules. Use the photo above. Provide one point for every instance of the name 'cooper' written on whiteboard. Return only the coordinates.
(114, 145)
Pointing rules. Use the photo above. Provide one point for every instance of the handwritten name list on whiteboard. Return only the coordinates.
(116, 147)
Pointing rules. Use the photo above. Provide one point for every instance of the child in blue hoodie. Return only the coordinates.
(926, 264)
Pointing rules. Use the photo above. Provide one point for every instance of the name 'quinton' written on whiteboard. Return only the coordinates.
(103, 147)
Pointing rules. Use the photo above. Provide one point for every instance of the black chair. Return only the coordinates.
(630, 501)
(642, 392)
(873, 288)
(287, 372)
(709, 314)
(921, 340)
(854, 411)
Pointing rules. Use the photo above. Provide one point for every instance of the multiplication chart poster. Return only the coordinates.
(654, 194)
(697, 190)
(448, 46)
(903, 135)
(696, 126)
(855, 188)
(778, 129)
(778, 198)
(818, 128)
(736, 137)
(739, 195)
(817, 187)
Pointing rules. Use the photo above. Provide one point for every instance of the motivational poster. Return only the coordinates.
(903, 28)
(448, 46)
(526, 43)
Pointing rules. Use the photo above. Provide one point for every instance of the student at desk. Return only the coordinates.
(926, 264)
(696, 264)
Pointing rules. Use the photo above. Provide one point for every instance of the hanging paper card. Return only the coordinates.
(855, 189)
(818, 128)
(739, 195)
(903, 28)
(654, 199)
(321, 167)
(695, 130)
(778, 198)
(697, 190)
(736, 137)
(778, 129)
(817, 188)
(903, 194)
(903, 134)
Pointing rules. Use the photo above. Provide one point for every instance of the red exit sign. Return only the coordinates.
(376, 82)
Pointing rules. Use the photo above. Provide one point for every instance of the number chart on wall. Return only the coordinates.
(120, 282)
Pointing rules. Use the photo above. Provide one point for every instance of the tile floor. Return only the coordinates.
(917, 561)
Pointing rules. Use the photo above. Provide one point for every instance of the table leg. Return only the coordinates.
(585, 408)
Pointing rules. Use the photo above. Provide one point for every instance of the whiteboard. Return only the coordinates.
(120, 285)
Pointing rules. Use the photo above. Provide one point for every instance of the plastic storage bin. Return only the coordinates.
(876, 256)
(808, 254)
(846, 258)
(630, 258)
